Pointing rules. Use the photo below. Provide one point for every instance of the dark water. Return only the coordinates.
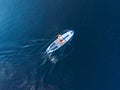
(92, 61)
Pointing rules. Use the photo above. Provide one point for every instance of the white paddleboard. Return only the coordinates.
(55, 45)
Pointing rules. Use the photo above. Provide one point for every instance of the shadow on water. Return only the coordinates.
(28, 67)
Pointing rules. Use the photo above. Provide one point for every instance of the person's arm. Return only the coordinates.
(62, 42)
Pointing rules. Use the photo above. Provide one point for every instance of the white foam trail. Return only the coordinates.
(28, 65)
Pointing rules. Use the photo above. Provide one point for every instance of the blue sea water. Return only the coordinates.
(90, 62)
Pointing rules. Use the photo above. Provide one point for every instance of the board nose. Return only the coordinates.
(71, 32)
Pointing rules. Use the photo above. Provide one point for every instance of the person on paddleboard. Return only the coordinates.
(60, 41)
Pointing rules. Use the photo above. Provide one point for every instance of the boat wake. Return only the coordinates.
(28, 67)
